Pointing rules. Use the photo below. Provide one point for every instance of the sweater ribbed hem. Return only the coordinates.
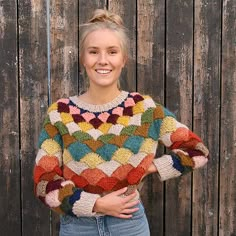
(84, 206)
(165, 168)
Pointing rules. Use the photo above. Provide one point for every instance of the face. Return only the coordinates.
(103, 58)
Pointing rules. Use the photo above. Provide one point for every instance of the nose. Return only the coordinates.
(102, 59)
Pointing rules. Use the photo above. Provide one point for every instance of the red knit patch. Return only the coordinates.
(95, 122)
(128, 111)
(121, 172)
(79, 181)
(181, 134)
(93, 175)
(78, 118)
(62, 107)
(146, 162)
(93, 189)
(120, 184)
(53, 185)
(38, 172)
(107, 183)
(112, 118)
(138, 98)
(135, 175)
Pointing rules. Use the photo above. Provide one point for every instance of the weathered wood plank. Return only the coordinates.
(179, 68)
(228, 123)
(150, 80)
(86, 8)
(33, 104)
(10, 213)
(206, 113)
(64, 57)
(127, 10)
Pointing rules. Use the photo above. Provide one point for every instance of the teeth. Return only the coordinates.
(103, 71)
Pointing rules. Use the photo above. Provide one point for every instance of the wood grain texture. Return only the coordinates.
(86, 9)
(206, 113)
(179, 69)
(10, 213)
(33, 105)
(127, 10)
(150, 80)
(227, 185)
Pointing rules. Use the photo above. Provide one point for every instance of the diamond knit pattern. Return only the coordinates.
(96, 150)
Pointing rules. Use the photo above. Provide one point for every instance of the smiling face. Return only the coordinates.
(103, 58)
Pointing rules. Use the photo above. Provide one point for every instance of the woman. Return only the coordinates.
(95, 149)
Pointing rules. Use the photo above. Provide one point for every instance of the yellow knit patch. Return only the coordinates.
(66, 118)
(138, 108)
(146, 96)
(122, 155)
(186, 160)
(92, 160)
(85, 126)
(53, 107)
(123, 120)
(148, 146)
(50, 146)
(66, 156)
(168, 125)
(105, 127)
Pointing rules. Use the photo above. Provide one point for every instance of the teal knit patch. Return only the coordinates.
(107, 151)
(78, 150)
(42, 137)
(133, 143)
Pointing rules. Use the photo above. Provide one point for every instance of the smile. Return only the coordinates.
(103, 71)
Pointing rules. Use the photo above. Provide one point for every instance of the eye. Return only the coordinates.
(93, 52)
(113, 52)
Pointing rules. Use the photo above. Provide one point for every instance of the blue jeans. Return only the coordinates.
(105, 225)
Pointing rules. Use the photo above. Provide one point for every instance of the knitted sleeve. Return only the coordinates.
(187, 151)
(51, 188)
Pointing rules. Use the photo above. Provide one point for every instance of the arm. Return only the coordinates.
(187, 151)
(51, 188)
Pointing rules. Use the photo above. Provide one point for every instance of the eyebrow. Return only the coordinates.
(111, 47)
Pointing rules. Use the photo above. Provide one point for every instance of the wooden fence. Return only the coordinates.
(182, 52)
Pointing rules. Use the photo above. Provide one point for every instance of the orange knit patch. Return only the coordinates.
(158, 113)
(48, 176)
(93, 175)
(93, 144)
(38, 172)
(118, 140)
(107, 183)
(146, 162)
(135, 175)
(65, 191)
(51, 130)
(181, 134)
(79, 181)
(121, 172)
(68, 139)
(68, 173)
(48, 163)
(142, 130)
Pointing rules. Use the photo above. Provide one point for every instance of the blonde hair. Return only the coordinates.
(103, 19)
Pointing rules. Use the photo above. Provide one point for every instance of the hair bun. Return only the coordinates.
(101, 15)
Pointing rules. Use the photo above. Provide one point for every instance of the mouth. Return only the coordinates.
(103, 71)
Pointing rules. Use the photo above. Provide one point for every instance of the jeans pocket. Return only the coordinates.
(66, 219)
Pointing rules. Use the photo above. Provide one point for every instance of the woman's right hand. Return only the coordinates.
(114, 204)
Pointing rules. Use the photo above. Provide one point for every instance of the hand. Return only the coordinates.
(152, 169)
(114, 205)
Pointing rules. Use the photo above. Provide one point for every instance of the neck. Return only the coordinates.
(101, 95)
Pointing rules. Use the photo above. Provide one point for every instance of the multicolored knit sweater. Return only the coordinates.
(86, 151)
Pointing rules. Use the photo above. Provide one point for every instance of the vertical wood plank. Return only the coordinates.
(33, 105)
(206, 113)
(127, 10)
(64, 58)
(228, 122)
(179, 40)
(10, 213)
(86, 8)
(150, 80)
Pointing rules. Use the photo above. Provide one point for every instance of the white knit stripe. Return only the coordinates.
(116, 129)
(54, 116)
(109, 167)
(136, 159)
(41, 188)
(148, 103)
(95, 133)
(165, 139)
(72, 127)
(165, 167)
(77, 167)
(41, 153)
(180, 125)
(84, 206)
(135, 120)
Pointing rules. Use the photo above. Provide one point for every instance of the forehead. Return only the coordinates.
(103, 38)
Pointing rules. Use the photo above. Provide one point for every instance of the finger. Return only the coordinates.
(130, 211)
(131, 204)
(130, 197)
(124, 216)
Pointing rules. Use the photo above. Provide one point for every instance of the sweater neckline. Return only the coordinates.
(101, 107)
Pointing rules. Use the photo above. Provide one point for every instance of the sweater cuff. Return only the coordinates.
(84, 206)
(165, 168)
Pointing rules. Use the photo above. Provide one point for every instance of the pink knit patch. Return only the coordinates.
(133, 93)
(74, 110)
(118, 111)
(199, 161)
(104, 116)
(88, 116)
(129, 102)
(64, 100)
(52, 198)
